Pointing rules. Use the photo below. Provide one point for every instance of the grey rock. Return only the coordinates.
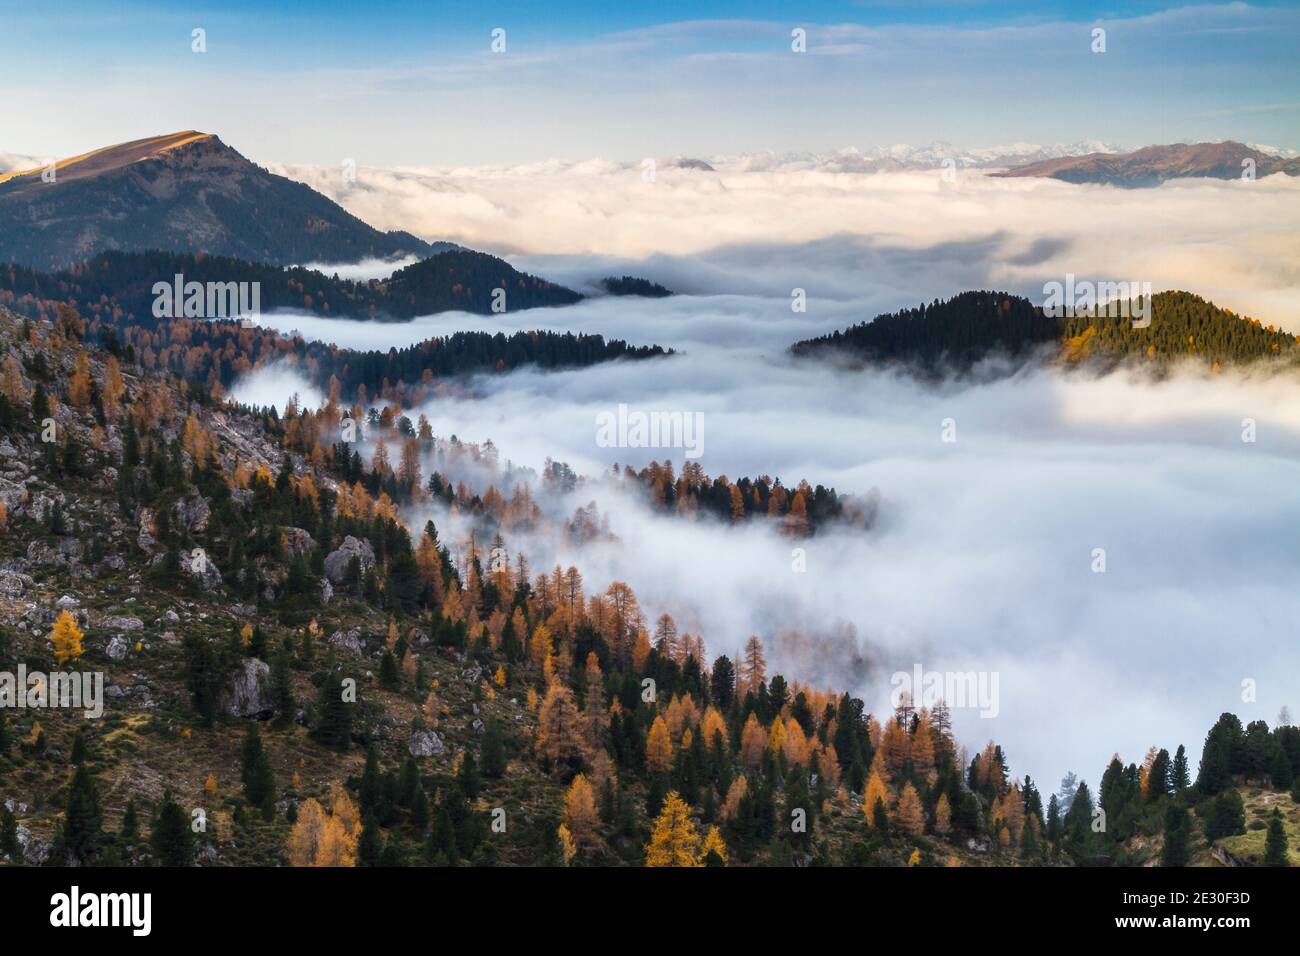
(349, 640)
(192, 512)
(14, 584)
(425, 743)
(114, 623)
(202, 571)
(35, 850)
(117, 648)
(336, 562)
(326, 590)
(249, 693)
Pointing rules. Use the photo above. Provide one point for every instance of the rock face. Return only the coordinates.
(349, 640)
(424, 743)
(336, 562)
(249, 693)
(192, 512)
(202, 571)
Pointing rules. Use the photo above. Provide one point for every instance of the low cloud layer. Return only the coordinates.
(879, 241)
(984, 553)
(983, 559)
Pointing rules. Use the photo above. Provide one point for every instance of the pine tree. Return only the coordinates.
(1177, 823)
(83, 819)
(130, 828)
(172, 839)
(256, 773)
(334, 714)
(370, 844)
(468, 778)
(1275, 844)
(494, 750)
(9, 845)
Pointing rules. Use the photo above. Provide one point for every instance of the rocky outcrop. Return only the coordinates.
(200, 569)
(192, 512)
(349, 640)
(424, 743)
(336, 562)
(249, 693)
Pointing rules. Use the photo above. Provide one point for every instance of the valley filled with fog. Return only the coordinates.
(982, 557)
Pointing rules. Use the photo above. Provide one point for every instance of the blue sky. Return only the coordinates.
(416, 83)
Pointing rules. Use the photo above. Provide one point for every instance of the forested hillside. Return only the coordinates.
(332, 686)
(120, 286)
(975, 325)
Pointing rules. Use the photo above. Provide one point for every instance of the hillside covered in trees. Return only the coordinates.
(327, 685)
(120, 286)
(955, 334)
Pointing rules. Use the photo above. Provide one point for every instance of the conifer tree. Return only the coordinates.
(674, 841)
(1177, 823)
(172, 839)
(66, 638)
(1275, 844)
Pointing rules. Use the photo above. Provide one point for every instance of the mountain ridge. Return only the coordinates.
(1152, 165)
(184, 192)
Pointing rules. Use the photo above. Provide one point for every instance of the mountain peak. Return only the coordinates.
(181, 192)
(114, 157)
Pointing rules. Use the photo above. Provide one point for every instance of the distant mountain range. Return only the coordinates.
(903, 157)
(938, 337)
(1153, 165)
(183, 192)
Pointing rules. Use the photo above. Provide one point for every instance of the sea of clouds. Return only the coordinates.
(984, 555)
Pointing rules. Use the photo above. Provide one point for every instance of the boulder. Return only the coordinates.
(13, 584)
(336, 562)
(249, 693)
(117, 648)
(201, 570)
(424, 743)
(349, 640)
(121, 623)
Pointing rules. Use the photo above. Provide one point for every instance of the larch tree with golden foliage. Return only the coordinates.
(675, 840)
(910, 815)
(659, 747)
(11, 381)
(580, 813)
(877, 792)
(753, 668)
(66, 638)
(320, 839)
(559, 736)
